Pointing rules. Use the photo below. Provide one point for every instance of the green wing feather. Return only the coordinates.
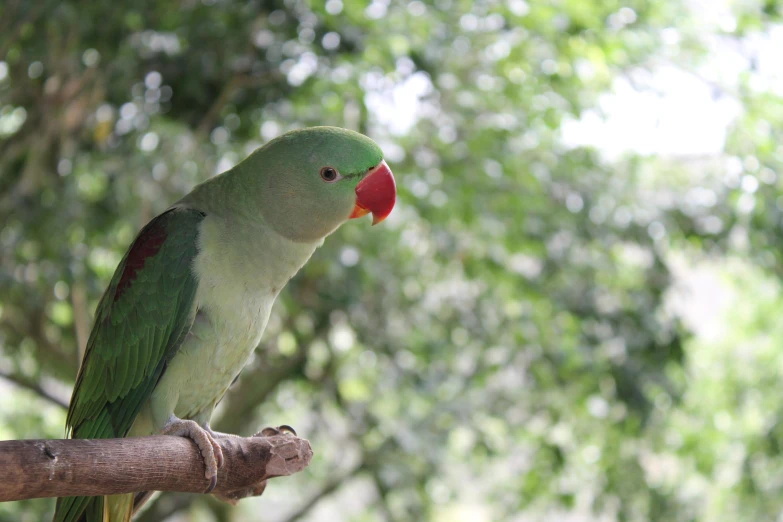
(141, 321)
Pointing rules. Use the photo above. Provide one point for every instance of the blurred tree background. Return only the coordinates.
(572, 314)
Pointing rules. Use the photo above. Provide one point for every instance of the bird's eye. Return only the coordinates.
(329, 174)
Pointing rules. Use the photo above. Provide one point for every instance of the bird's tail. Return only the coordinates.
(79, 509)
(118, 508)
(114, 508)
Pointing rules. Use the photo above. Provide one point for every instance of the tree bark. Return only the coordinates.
(75, 467)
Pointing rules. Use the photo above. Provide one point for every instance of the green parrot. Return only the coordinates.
(190, 299)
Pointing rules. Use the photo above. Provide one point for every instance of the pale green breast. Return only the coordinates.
(241, 269)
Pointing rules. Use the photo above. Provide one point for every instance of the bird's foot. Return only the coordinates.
(258, 488)
(210, 450)
(266, 432)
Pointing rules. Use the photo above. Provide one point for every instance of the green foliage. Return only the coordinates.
(503, 344)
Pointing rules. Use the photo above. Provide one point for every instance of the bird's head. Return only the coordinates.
(315, 179)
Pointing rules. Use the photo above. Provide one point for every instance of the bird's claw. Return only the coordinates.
(209, 448)
(212, 483)
(283, 429)
(287, 457)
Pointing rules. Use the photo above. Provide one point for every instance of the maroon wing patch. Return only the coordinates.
(146, 245)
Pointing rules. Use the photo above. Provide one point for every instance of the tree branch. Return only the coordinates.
(75, 467)
(329, 488)
(237, 82)
(29, 385)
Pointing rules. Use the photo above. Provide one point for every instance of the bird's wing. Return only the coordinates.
(141, 321)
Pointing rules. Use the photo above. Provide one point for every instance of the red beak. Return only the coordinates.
(376, 193)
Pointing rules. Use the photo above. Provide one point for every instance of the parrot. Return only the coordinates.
(190, 299)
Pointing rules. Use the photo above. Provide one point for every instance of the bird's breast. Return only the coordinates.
(240, 273)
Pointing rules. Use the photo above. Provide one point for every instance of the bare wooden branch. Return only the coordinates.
(74, 467)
